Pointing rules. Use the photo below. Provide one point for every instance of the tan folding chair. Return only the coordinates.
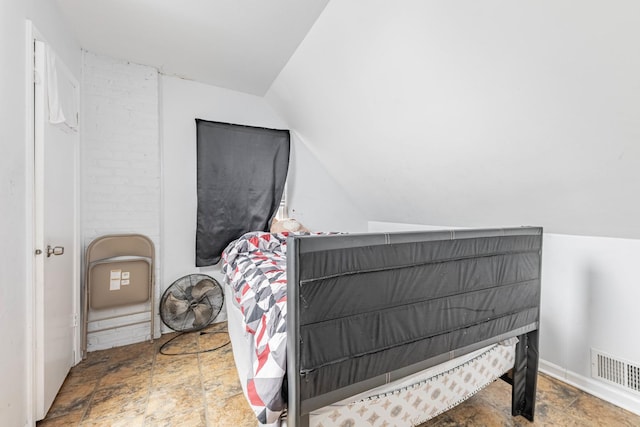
(119, 272)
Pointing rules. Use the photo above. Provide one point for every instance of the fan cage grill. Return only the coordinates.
(191, 303)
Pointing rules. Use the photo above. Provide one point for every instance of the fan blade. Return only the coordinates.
(202, 288)
(202, 314)
(176, 306)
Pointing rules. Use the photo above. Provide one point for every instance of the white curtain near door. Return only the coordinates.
(61, 95)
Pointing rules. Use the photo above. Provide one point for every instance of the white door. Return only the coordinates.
(56, 238)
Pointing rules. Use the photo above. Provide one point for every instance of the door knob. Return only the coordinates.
(57, 250)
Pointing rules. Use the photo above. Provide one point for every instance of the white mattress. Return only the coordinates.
(407, 401)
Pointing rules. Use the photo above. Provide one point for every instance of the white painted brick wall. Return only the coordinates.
(121, 190)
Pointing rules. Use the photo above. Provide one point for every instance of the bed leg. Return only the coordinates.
(525, 376)
(300, 421)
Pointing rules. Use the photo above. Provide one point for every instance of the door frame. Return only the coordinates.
(34, 172)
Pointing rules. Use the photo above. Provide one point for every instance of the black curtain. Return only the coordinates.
(241, 176)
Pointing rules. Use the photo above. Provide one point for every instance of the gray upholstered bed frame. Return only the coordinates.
(366, 309)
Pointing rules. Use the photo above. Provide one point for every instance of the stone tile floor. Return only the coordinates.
(136, 386)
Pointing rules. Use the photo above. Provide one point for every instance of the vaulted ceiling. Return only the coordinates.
(459, 113)
(475, 113)
(236, 44)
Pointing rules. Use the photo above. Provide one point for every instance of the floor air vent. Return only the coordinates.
(614, 370)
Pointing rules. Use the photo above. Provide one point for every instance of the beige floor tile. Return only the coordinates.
(68, 419)
(116, 421)
(100, 356)
(77, 378)
(87, 371)
(220, 359)
(550, 390)
(215, 377)
(136, 386)
(170, 370)
(222, 392)
(72, 399)
(122, 400)
(492, 407)
(475, 412)
(232, 411)
(211, 340)
(138, 363)
(591, 411)
(143, 350)
(127, 376)
(191, 418)
(167, 401)
(77, 385)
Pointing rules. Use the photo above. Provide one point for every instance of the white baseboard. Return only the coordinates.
(625, 400)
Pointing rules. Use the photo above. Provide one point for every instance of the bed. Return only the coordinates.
(327, 328)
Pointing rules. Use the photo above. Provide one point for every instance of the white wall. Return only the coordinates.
(13, 209)
(182, 101)
(315, 197)
(15, 204)
(120, 172)
(589, 301)
(478, 113)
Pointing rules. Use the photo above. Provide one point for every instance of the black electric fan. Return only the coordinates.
(191, 303)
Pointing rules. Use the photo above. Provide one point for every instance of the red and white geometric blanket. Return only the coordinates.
(255, 267)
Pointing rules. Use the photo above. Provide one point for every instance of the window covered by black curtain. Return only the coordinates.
(241, 176)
